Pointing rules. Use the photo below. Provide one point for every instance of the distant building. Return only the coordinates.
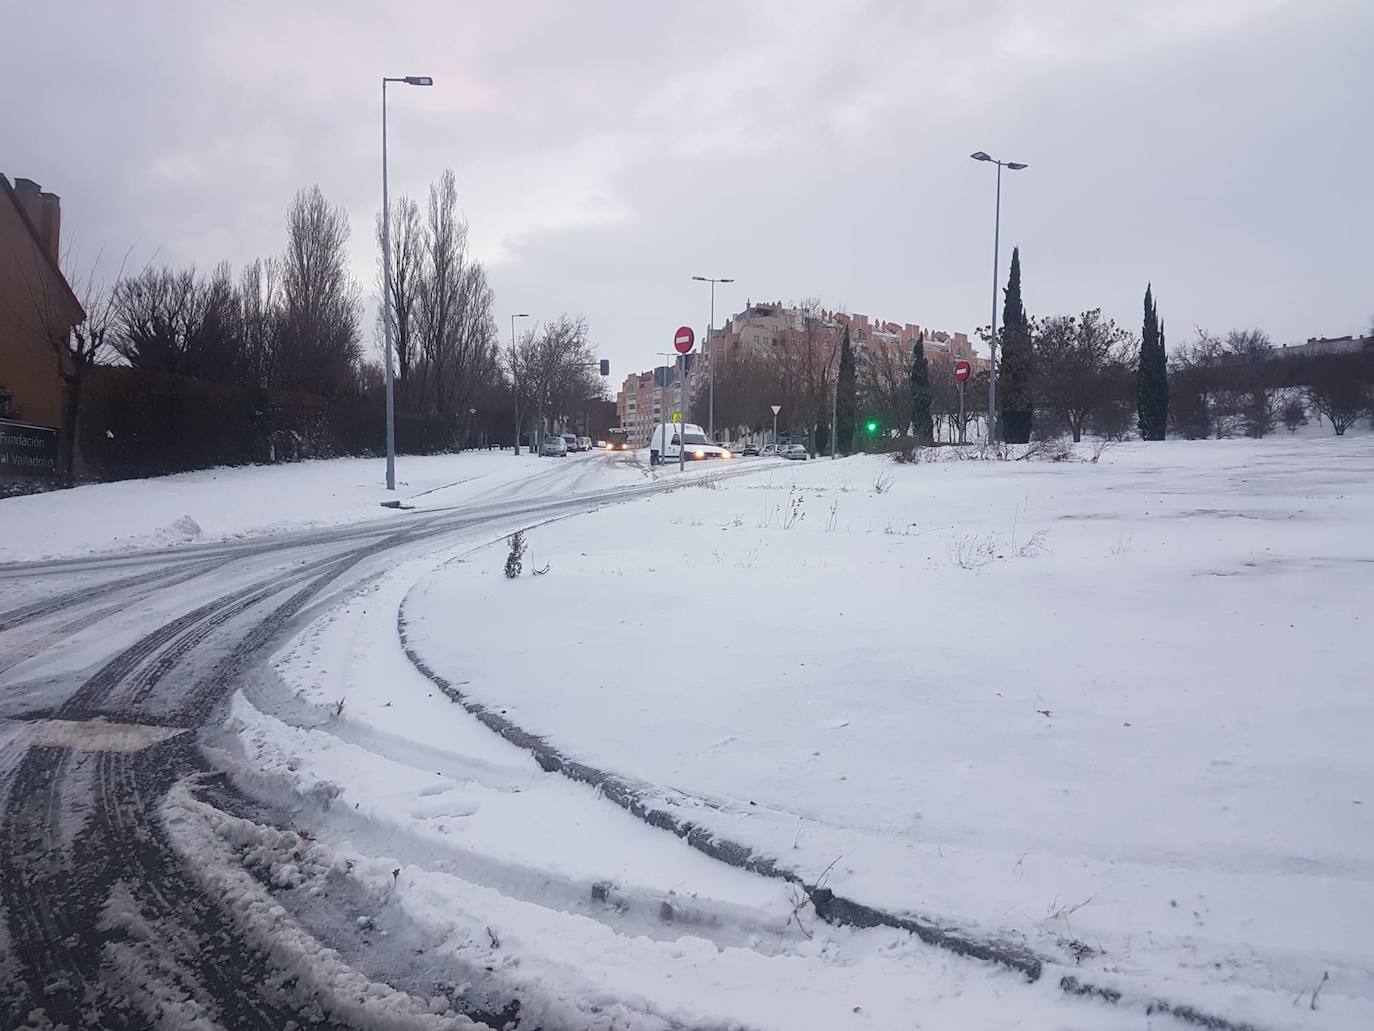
(1326, 345)
(774, 328)
(36, 302)
(646, 399)
(763, 327)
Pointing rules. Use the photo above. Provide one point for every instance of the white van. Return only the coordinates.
(698, 446)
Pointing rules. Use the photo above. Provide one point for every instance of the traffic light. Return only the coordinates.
(872, 426)
(605, 366)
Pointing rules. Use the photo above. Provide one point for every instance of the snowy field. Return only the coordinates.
(229, 503)
(1117, 710)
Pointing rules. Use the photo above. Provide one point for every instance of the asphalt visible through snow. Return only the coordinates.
(110, 668)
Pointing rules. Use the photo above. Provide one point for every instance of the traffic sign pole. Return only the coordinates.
(683, 340)
(962, 371)
(961, 411)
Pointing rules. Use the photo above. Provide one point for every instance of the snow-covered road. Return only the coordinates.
(110, 669)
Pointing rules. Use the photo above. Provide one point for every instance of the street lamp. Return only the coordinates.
(472, 419)
(409, 80)
(515, 376)
(710, 366)
(1015, 166)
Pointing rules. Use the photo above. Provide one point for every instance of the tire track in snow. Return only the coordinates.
(89, 917)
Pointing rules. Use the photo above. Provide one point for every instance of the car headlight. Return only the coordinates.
(698, 454)
(725, 454)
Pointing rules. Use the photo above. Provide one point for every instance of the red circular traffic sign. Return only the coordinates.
(962, 370)
(683, 339)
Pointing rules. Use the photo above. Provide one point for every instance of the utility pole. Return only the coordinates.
(1015, 166)
(515, 376)
(409, 80)
(710, 363)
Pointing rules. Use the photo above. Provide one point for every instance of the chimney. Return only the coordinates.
(44, 212)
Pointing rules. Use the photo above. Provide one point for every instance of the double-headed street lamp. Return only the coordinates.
(710, 366)
(515, 375)
(1015, 166)
(409, 80)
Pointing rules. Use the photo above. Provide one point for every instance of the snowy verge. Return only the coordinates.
(223, 504)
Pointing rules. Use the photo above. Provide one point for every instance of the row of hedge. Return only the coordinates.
(136, 423)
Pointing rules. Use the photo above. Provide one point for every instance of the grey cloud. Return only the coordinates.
(606, 152)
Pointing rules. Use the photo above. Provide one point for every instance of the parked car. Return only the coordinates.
(769, 451)
(554, 447)
(571, 440)
(796, 452)
(747, 449)
(666, 442)
(584, 443)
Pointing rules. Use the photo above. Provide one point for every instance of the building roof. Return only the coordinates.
(8, 191)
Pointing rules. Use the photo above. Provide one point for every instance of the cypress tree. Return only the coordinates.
(846, 403)
(1152, 375)
(1017, 402)
(922, 425)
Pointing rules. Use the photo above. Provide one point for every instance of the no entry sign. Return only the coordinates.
(962, 370)
(683, 339)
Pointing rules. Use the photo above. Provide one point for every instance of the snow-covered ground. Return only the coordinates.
(228, 503)
(1120, 708)
(1116, 711)
(464, 866)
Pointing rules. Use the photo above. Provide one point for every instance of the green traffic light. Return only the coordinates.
(872, 427)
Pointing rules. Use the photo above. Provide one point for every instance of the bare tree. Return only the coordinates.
(1340, 388)
(409, 246)
(1195, 379)
(77, 349)
(178, 322)
(1251, 401)
(556, 377)
(259, 320)
(885, 385)
(808, 363)
(319, 346)
(1076, 357)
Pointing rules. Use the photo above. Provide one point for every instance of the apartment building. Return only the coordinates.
(647, 398)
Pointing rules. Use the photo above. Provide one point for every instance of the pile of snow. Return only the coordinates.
(1117, 708)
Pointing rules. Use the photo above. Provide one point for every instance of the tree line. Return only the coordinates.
(1082, 373)
(284, 336)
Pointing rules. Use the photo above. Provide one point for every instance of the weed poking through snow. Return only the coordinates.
(515, 561)
(972, 552)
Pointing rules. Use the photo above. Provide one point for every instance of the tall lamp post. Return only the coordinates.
(409, 80)
(1015, 166)
(710, 366)
(515, 376)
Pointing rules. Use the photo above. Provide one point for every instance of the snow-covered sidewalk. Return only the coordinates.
(1119, 709)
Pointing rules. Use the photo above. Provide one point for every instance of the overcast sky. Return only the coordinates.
(606, 152)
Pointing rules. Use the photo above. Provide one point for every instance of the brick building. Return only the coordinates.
(643, 400)
(763, 327)
(773, 328)
(36, 302)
